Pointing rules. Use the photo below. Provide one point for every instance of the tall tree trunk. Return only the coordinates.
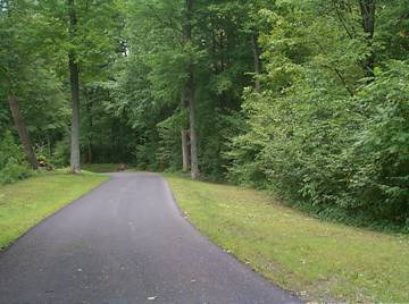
(90, 153)
(185, 150)
(256, 58)
(368, 8)
(75, 94)
(22, 131)
(194, 161)
(189, 93)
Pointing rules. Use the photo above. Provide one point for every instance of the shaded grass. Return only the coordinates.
(26, 203)
(101, 168)
(318, 260)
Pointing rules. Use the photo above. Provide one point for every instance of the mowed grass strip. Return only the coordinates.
(26, 203)
(318, 260)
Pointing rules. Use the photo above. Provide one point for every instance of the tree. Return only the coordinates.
(91, 43)
(75, 91)
(22, 130)
(14, 57)
(189, 90)
(212, 44)
(303, 97)
(310, 132)
(368, 9)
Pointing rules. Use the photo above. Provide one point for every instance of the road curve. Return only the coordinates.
(124, 243)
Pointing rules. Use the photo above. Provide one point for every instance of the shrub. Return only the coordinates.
(13, 166)
(61, 155)
(343, 157)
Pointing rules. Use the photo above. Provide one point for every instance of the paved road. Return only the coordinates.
(126, 242)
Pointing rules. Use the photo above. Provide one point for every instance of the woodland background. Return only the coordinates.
(307, 99)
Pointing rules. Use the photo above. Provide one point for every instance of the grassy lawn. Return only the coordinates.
(318, 260)
(26, 203)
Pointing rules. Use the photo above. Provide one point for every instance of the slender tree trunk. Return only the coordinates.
(22, 131)
(190, 94)
(256, 58)
(49, 145)
(368, 8)
(185, 141)
(90, 152)
(75, 94)
(91, 127)
(185, 150)
(75, 128)
(194, 162)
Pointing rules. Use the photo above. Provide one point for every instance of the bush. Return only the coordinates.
(339, 156)
(380, 179)
(13, 166)
(13, 172)
(61, 155)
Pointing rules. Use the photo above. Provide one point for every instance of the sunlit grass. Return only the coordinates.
(318, 260)
(26, 203)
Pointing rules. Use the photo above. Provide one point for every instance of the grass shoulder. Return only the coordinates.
(318, 260)
(25, 203)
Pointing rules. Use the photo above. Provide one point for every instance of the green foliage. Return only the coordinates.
(151, 80)
(321, 134)
(170, 141)
(283, 100)
(13, 172)
(13, 166)
(61, 154)
(380, 178)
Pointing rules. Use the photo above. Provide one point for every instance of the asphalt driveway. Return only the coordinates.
(124, 243)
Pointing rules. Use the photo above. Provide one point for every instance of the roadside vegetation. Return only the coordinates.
(305, 99)
(24, 204)
(318, 260)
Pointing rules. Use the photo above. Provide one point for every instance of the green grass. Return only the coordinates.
(26, 203)
(318, 260)
(101, 168)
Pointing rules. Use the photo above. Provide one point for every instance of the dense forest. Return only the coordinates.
(307, 99)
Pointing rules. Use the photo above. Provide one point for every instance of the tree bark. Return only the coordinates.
(368, 8)
(189, 93)
(90, 151)
(194, 161)
(185, 150)
(22, 131)
(190, 96)
(257, 62)
(75, 94)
